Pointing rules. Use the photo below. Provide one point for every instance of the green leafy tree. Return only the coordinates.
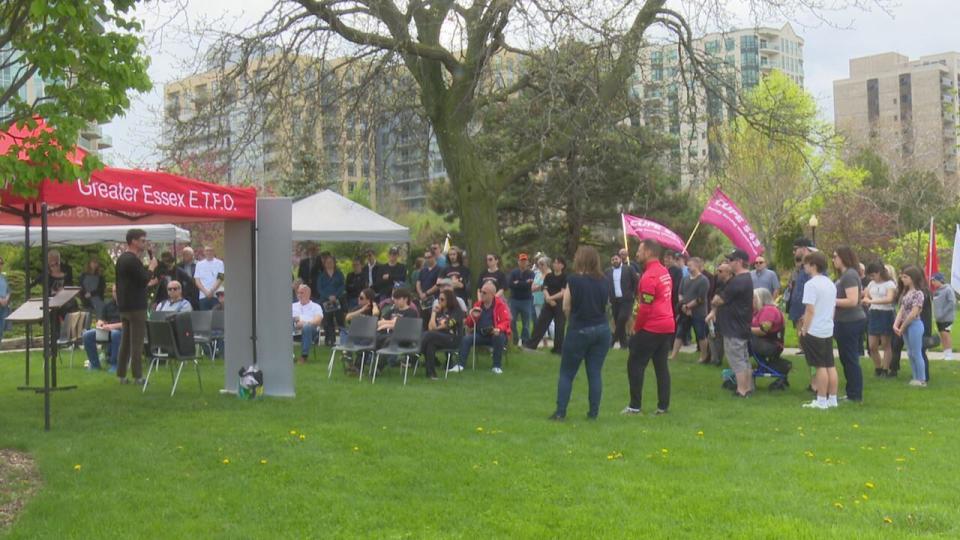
(87, 56)
(781, 162)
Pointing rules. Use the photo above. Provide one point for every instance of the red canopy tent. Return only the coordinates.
(114, 197)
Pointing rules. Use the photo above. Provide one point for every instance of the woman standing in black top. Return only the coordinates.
(493, 273)
(585, 303)
(552, 311)
(446, 323)
(459, 273)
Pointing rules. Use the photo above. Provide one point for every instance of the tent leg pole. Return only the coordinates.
(26, 283)
(253, 287)
(45, 271)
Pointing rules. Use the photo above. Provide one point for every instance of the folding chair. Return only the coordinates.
(172, 339)
(202, 322)
(71, 332)
(404, 341)
(217, 325)
(361, 338)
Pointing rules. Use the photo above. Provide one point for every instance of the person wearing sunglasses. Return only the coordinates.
(765, 278)
(175, 301)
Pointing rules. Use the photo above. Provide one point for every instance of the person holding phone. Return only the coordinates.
(208, 277)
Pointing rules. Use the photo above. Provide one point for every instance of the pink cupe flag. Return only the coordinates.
(644, 229)
(724, 215)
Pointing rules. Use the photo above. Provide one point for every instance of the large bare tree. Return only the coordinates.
(446, 50)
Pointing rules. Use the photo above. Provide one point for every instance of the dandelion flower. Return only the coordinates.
(699, 434)
(356, 448)
(303, 437)
(479, 429)
(77, 467)
(293, 432)
(495, 462)
(865, 497)
(912, 449)
(838, 505)
(263, 462)
(900, 459)
(226, 461)
(664, 451)
(870, 485)
(887, 519)
(856, 426)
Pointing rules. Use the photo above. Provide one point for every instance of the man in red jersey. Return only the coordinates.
(653, 328)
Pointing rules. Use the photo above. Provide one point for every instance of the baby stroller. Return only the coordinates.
(766, 352)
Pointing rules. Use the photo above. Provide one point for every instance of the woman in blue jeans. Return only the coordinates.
(909, 325)
(849, 319)
(588, 333)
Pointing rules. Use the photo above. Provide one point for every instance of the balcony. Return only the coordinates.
(106, 141)
(91, 131)
(769, 48)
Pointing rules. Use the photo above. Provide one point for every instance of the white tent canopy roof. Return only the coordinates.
(329, 216)
(82, 236)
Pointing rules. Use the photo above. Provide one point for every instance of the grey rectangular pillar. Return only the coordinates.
(274, 343)
(238, 299)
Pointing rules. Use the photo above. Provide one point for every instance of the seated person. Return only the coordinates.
(175, 301)
(446, 323)
(109, 321)
(487, 324)
(402, 306)
(446, 284)
(767, 325)
(366, 305)
(307, 318)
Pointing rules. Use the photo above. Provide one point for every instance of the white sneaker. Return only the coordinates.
(497, 371)
(628, 410)
(455, 369)
(915, 382)
(948, 355)
(616, 346)
(815, 404)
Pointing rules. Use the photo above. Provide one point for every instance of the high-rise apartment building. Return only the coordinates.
(689, 109)
(904, 110)
(239, 133)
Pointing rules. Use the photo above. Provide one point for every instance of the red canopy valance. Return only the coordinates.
(123, 196)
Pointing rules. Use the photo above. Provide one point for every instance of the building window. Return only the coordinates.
(748, 43)
(730, 44)
(873, 100)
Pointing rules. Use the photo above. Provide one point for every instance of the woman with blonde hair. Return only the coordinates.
(588, 333)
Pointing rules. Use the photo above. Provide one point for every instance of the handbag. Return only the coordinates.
(931, 341)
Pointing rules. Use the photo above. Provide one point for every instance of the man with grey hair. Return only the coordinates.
(307, 318)
(488, 325)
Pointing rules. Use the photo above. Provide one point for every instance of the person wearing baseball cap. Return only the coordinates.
(733, 313)
(944, 308)
(390, 276)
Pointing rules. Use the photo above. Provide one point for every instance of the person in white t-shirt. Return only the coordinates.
(208, 276)
(307, 318)
(880, 296)
(816, 330)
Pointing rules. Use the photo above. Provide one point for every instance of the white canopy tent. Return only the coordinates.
(329, 216)
(82, 236)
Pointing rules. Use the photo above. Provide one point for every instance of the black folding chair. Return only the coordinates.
(361, 338)
(172, 340)
(404, 341)
(202, 322)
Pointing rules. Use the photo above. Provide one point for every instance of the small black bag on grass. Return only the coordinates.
(251, 382)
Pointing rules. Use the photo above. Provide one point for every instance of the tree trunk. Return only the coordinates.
(574, 209)
(475, 186)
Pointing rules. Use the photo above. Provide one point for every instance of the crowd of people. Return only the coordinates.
(738, 313)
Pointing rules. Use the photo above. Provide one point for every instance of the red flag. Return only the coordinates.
(643, 228)
(933, 262)
(724, 215)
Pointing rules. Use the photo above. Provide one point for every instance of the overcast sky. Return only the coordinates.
(915, 28)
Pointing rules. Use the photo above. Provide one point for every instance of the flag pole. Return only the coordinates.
(685, 246)
(623, 224)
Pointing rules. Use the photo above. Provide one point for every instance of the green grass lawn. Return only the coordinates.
(475, 457)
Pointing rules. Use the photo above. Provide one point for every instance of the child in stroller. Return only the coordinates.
(766, 343)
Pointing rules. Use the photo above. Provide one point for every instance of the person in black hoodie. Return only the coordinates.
(390, 276)
(458, 273)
